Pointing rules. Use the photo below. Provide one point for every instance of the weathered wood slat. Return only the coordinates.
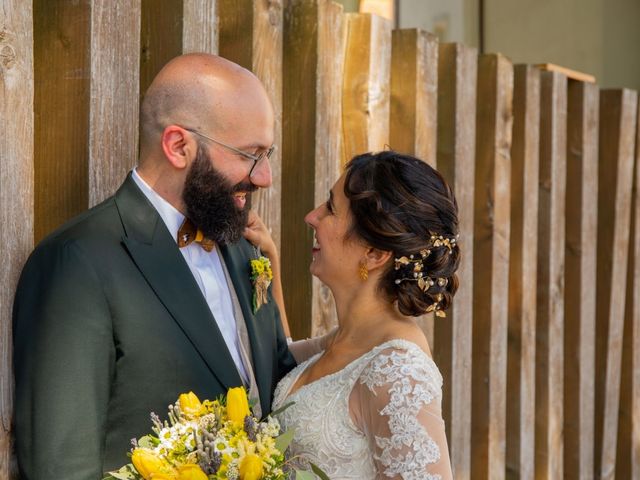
(365, 89)
(414, 93)
(525, 160)
(550, 295)
(414, 106)
(313, 33)
(114, 94)
(16, 190)
(618, 109)
(457, 68)
(61, 71)
(492, 212)
(580, 278)
(199, 26)
(628, 445)
(251, 35)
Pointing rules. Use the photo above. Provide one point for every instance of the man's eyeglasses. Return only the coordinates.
(255, 158)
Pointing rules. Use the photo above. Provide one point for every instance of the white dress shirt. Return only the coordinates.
(206, 268)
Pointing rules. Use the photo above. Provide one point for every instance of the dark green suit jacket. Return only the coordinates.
(110, 325)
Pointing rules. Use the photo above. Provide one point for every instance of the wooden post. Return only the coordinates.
(525, 155)
(550, 295)
(414, 106)
(414, 93)
(628, 443)
(251, 35)
(16, 190)
(618, 110)
(114, 94)
(581, 280)
(491, 265)
(314, 35)
(365, 89)
(457, 68)
(199, 26)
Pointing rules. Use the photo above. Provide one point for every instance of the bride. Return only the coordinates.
(368, 406)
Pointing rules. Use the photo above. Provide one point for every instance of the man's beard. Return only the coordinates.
(208, 197)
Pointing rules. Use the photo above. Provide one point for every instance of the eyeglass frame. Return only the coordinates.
(256, 158)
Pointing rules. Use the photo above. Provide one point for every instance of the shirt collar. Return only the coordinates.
(171, 217)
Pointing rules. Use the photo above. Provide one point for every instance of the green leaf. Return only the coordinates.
(318, 471)
(147, 441)
(281, 409)
(302, 475)
(283, 440)
(128, 472)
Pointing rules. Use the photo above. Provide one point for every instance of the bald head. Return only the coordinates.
(203, 92)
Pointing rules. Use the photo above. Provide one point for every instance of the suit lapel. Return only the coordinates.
(237, 258)
(159, 260)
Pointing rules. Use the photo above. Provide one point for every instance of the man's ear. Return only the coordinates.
(179, 148)
(377, 258)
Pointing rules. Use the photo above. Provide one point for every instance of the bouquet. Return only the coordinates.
(211, 440)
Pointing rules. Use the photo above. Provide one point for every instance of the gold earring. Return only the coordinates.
(363, 271)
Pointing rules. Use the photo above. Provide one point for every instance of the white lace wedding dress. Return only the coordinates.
(377, 418)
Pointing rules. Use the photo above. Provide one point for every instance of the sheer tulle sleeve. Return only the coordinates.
(397, 404)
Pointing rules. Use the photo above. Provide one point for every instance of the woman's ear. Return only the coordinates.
(178, 147)
(377, 258)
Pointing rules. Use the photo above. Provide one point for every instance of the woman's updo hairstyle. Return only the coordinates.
(401, 204)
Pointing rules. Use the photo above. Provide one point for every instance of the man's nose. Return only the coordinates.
(261, 175)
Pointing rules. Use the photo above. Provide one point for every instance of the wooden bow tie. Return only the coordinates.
(188, 233)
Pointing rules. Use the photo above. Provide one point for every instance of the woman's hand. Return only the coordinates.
(257, 233)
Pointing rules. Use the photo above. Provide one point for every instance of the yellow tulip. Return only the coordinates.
(237, 404)
(251, 467)
(146, 462)
(164, 476)
(189, 403)
(191, 472)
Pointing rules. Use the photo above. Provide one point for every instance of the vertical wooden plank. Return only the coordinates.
(365, 89)
(114, 94)
(628, 447)
(414, 93)
(580, 278)
(491, 265)
(457, 68)
(199, 26)
(525, 155)
(414, 106)
(160, 37)
(617, 141)
(328, 139)
(313, 33)
(550, 295)
(16, 190)
(251, 35)
(61, 52)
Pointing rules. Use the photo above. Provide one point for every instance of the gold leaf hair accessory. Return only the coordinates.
(413, 269)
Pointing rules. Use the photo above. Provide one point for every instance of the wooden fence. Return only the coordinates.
(541, 352)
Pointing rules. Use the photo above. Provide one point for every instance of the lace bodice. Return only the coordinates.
(377, 418)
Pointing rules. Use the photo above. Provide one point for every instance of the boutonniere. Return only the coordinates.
(261, 276)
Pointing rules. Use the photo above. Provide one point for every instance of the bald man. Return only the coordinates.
(148, 294)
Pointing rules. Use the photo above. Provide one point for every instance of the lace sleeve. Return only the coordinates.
(396, 403)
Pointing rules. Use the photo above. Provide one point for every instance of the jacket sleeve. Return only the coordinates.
(64, 357)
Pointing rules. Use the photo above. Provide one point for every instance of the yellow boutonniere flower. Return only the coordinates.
(261, 276)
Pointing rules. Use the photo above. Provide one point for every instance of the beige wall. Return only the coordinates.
(600, 37)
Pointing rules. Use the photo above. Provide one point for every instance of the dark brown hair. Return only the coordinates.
(398, 202)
